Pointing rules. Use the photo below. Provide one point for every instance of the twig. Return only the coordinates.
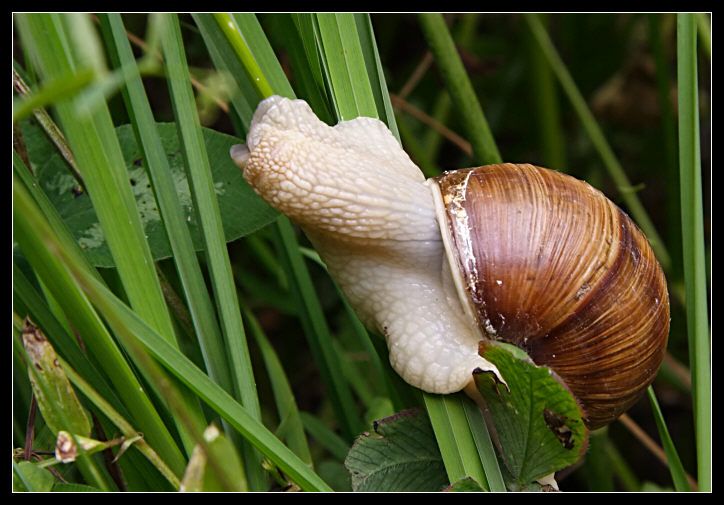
(405, 106)
(417, 75)
(140, 43)
(50, 128)
(30, 428)
(650, 444)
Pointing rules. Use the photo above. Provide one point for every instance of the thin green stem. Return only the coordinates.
(678, 474)
(236, 38)
(461, 90)
(694, 243)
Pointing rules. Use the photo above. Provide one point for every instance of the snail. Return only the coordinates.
(508, 252)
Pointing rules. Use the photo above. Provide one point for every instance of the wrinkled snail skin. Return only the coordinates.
(366, 208)
(508, 252)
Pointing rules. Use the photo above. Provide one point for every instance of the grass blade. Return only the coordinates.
(692, 228)
(375, 72)
(217, 258)
(669, 135)
(457, 446)
(283, 394)
(704, 30)
(58, 89)
(484, 444)
(546, 106)
(328, 439)
(678, 474)
(342, 52)
(461, 90)
(234, 35)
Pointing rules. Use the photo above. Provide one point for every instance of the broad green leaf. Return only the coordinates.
(200, 474)
(401, 455)
(29, 476)
(538, 422)
(335, 474)
(241, 209)
(56, 398)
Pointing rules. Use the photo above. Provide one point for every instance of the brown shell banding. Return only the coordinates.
(562, 272)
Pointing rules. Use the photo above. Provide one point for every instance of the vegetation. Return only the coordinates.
(174, 332)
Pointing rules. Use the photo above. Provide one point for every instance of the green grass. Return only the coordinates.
(259, 338)
(692, 227)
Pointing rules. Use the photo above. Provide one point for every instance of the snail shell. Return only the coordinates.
(546, 262)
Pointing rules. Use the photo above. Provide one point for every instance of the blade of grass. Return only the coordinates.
(461, 90)
(704, 31)
(375, 73)
(60, 88)
(678, 475)
(263, 54)
(283, 395)
(201, 184)
(484, 444)
(328, 439)
(233, 34)
(545, 105)
(457, 446)
(342, 52)
(295, 34)
(694, 244)
(668, 134)
(464, 37)
(588, 121)
(200, 305)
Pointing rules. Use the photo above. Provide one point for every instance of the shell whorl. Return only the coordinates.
(548, 263)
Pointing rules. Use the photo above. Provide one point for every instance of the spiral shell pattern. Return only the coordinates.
(548, 263)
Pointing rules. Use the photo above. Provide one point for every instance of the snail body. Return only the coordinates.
(505, 252)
